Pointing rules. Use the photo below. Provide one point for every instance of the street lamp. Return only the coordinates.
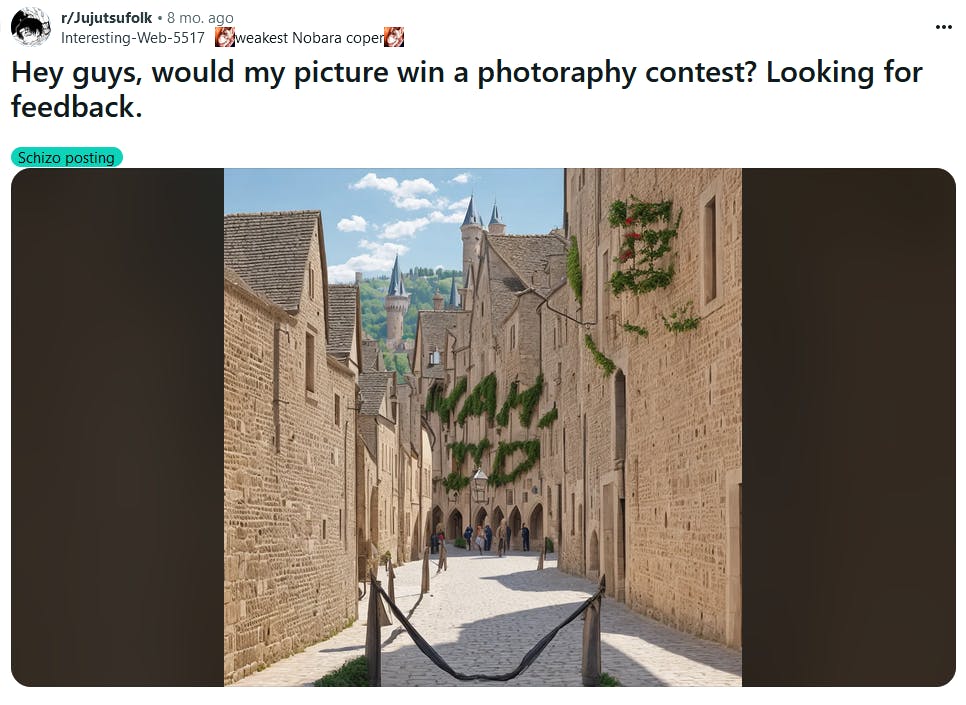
(479, 485)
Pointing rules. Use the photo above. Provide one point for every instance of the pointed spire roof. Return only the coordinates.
(454, 301)
(472, 217)
(495, 217)
(396, 285)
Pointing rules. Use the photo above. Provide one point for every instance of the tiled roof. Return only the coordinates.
(372, 390)
(529, 256)
(503, 291)
(269, 252)
(343, 304)
(371, 357)
(433, 326)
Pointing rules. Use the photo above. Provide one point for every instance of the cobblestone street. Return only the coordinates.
(485, 613)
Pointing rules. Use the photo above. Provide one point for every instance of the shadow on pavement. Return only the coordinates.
(496, 645)
(550, 579)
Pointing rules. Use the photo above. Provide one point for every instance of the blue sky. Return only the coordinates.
(370, 215)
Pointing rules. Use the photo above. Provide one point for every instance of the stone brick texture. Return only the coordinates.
(290, 501)
(660, 517)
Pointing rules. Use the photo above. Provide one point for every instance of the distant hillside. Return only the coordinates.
(421, 287)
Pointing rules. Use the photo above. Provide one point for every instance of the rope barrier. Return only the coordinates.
(527, 661)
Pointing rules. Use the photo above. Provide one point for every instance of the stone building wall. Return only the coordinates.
(289, 519)
(640, 475)
(681, 472)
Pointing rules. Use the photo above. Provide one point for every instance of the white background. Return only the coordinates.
(529, 125)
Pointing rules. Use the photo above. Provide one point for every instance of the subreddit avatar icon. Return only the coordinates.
(30, 26)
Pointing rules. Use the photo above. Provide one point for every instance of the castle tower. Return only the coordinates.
(397, 303)
(496, 226)
(472, 232)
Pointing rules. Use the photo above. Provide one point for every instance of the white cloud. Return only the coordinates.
(387, 250)
(437, 217)
(370, 180)
(463, 178)
(378, 258)
(407, 228)
(414, 187)
(404, 194)
(410, 203)
(460, 205)
(355, 224)
(403, 228)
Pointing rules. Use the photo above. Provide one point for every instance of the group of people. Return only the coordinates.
(482, 538)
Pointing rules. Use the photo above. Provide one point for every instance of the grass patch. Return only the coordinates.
(352, 674)
(608, 680)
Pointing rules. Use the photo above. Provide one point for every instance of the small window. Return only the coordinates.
(509, 497)
(311, 284)
(323, 528)
(513, 337)
(338, 409)
(309, 362)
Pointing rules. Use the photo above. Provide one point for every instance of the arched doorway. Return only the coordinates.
(496, 518)
(454, 525)
(480, 519)
(373, 520)
(416, 549)
(436, 523)
(515, 522)
(536, 527)
(593, 563)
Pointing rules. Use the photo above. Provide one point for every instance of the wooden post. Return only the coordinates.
(425, 586)
(392, 581)
(590, 663)
(373, 636)
(540, 562)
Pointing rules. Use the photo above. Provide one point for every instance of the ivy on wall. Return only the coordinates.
(528, 401)
(648, 235)
(481, 399)
(505, 449)
(444, 406)
(455, 481)
(525, 400)
(636, 329)
(547, 418)
(681, 319)
(643, 246)
(574, 275)
(460, 450)
(503, 418)
(604, 362)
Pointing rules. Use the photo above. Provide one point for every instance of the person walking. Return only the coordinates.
(508, 535)
(480, 539)
(501, 539)
(525, 535)
(489, 538)
(468, 535)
